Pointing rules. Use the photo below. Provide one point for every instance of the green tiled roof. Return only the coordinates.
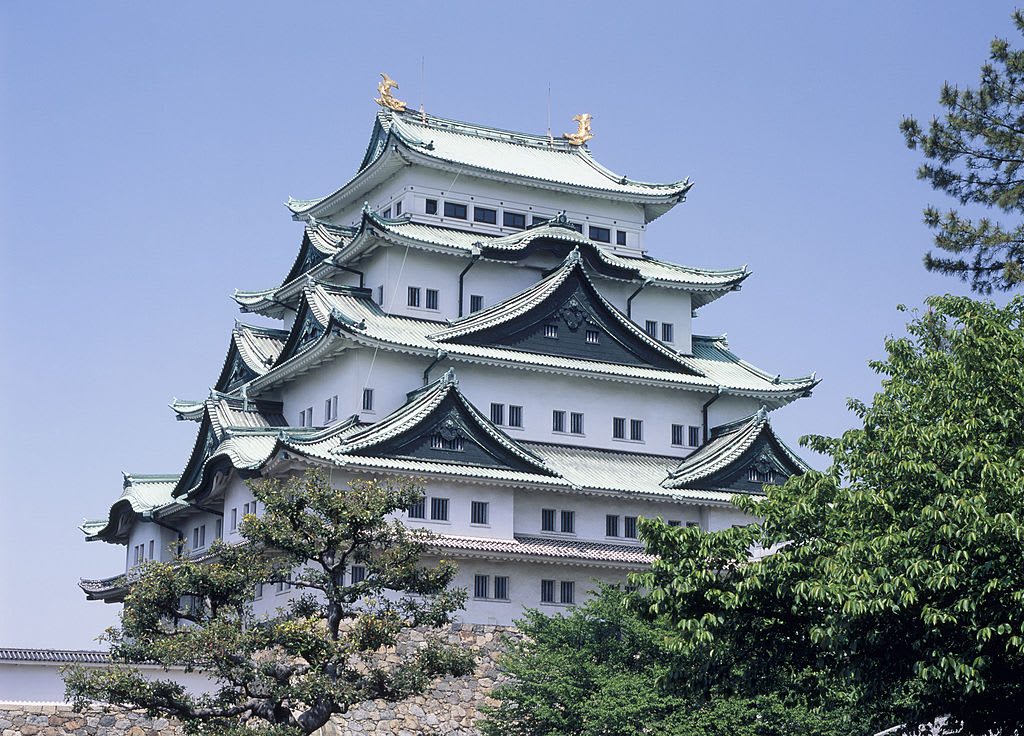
(704, 285)
(358, 318)
(491, 153)
(142, 494)
(726, 447)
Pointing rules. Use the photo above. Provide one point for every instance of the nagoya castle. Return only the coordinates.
(477, 308)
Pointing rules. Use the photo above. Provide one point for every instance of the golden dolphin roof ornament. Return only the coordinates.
(582, 134)
(385, 99)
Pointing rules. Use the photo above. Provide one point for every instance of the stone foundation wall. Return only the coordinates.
(450, 707)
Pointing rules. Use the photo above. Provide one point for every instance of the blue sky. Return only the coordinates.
(146, 150)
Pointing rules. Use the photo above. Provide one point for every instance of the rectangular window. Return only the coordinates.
(514, 219)
(651, 328)
(199, 536)
(539, 220)
(677, 434)
(619, 428)
(515, 416)
(694, 436)
(498, 413)
(414, 296)
(358, 574)
(480, 586)
(309, 416)
(620, 237)
(219, 526)
(418, 510)
(485, 215)
(152, 544)
(547, 520)
(666, 332)
(577, 226)
(367, 399)
(456, 210)
(691, 524)
(476, 303)
(557, 421)
(569, 522)
(439, 509)
(380, 295)
(431, 207)
(576, 423)
(478, 512)
(611, 525)
(551, 331)
(593, 337)
(302, 418)
(629, 527)
(330, 409)
(501, 587)
(600, 234)
(568, 591)
(234, 518)
(673, 522)
(431, 298)
(387, 213)
(259, 590)
(547, 591)
(398, 208)
(636, 429)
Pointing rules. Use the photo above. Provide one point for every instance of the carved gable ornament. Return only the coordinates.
(575, 314)
(763, 464)
(450, 427)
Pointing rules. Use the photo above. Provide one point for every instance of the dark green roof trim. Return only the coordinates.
(724, 463)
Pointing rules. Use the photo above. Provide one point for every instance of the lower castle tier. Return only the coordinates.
(545, 384)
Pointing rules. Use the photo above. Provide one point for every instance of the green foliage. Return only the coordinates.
(975, 155)
(320, 653)
(901, 570)
(603, 670)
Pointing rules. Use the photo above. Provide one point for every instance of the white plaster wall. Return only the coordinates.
(654, 303)
(413, 185)
(590, 513)
(40, 682)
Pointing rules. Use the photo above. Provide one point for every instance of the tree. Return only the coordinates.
(974, 154)
(289, 672)
(603, 670)
(901, 568)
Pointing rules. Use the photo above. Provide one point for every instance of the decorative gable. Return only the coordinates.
(564, 315)
(741, 456)
(440, 425)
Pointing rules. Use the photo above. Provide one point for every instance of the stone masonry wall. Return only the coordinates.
(450, 707)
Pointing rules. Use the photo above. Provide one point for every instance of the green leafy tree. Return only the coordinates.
(974, 153)
(286, 673)
(603, 670)
(900, 573)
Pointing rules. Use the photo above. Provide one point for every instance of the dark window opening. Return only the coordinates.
(456, 210)
(485, 215)
(600, 234)
(620, 237)
(431, 207)
(514, 219)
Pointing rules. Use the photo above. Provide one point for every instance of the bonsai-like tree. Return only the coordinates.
(290, 671)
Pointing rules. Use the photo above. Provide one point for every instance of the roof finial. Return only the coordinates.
(582, 134)
(449, 379)
(385, 99)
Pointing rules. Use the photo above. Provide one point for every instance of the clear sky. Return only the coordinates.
(146, 150)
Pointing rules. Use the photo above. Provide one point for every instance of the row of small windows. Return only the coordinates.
(761, 476)
(414, 297)
(139, 552)
(611, 526)
(515, 220)
(667, 330)
(548, 517)
(514, 414)
(636, 429)
(558, 422)
(199, 534)
(566, 590)
(398, 210)
(482, 587)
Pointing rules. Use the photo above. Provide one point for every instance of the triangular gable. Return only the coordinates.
(563, 314)
(252, 352)
(741, 456)
(439, 424)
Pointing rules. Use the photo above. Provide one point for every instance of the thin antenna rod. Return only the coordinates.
(550, 139)
(423, 77)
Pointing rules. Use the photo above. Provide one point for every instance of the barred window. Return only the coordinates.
(358, 574)
(501, 587)
(476, 302)
(551, 331)
(431, 299)
(547, 591)
(557, 421)
(694, 436)
(455, 444)
(480, 586)
(629, 527)
(414, 296)
(498, 413)
(547, 520)
(568, 591)
(569, 522)
(576, 423)
(619, 428)
(593, 337)
(677, 434)
(419, 509)
(611, 525)
(367, 399)
(636, 429)
(478, 512)
(515, 416)
(439, 509)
